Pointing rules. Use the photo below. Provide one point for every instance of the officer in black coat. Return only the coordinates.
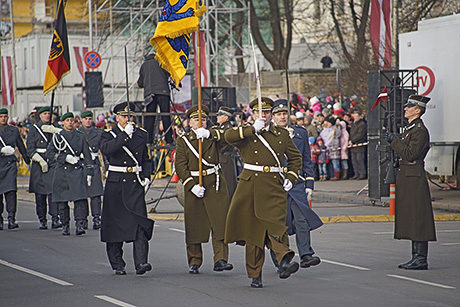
(124, 214)
(9, 139)
(94, 186)
(42, 170)
(71, 152)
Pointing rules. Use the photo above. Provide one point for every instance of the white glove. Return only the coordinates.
(287, 185)
(259, 124)
(129, 129)
(37, 158)
(146, 184)
(51, 129)
(71, 159)
(88, 180)
(202, 133)
(7, 150)
(309, 192)
(198, 191)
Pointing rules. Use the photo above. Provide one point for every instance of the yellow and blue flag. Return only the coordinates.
(172, 36)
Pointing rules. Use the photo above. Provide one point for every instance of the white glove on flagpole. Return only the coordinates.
(7, 150)
(129, 129)
(71, 159)
(198, 191)
(259, 124)
(287, 185)
(202, 133)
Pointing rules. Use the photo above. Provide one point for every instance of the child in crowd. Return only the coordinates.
(315, 151)
(323, 160)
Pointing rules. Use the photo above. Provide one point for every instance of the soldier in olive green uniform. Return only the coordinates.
(413, 212)
(227, 153)
(205, 206)
(257, 214)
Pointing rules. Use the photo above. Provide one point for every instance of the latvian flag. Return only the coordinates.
(7, 81)
(380, 32)
(80, 53)
(383, 96)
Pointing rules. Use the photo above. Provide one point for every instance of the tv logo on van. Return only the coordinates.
(426, 80)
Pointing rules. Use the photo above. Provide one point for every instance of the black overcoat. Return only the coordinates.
(93, 137)
(227, 162)
(8, 166)
(39, 182)
(69, 182)
(124, 198)
(413, 210)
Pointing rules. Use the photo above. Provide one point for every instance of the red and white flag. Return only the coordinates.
(80, 53)
(7, 81)
(204, 73)
(380, 32)
(383, 96)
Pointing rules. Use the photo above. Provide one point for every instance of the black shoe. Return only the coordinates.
(55, 223)
(309, 260)
(142, 268)
(43, 225)
(12, 223)
(402, 265)
(79, 230)
(194, 269)
(222, 265)
(96, 223)
(120, 271)
(85, 224)
(257, 282)
(287, 268)
(65, 230)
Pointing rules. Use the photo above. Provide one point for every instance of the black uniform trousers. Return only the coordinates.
(11, 203)
(78, 211)
(41, 206)
(149, 121)
(140, 250)
(96, 205)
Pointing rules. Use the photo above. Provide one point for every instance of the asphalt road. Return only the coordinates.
(44, 268)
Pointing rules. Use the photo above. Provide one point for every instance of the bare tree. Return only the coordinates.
(270, 13)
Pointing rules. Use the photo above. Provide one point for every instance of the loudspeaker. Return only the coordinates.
(216, 97)
(93, 89)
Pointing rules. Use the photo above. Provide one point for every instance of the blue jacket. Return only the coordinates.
(297, 193)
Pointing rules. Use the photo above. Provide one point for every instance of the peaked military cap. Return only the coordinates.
(67, 115)
(3, 111)
(43, 109)
(225, 111)
(86, 113)
(122, 108)
(267, 104)
(417, 100)
(193, 111)
(280, 105)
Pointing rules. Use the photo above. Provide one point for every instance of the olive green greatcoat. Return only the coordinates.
(227, 162)
(259, 204)
(413, 211)
(210, 212)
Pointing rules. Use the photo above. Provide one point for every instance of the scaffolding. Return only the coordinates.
(134, 21)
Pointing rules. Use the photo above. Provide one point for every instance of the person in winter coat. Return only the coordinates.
(315, 151)
(331, 136)
(323, 159)
(344, 150)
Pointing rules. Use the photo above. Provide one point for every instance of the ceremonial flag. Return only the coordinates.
(172, 36)
(383, 96)
(59, 59)
(380, 32)
(204, 73)
(80, 52)
(7, 81)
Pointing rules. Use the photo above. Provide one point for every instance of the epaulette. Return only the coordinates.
(419, 125)
(143, 129)
(300, 127)
(180, 134)
(79, 131)
(108, 129)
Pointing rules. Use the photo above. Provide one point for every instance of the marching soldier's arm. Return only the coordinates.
(146, 161)
(110, 145)
(31, 148)
(410, 152)
(307, 165)
(237, 135)
(182, 168)
(217, 135)
(294, 161)
(52, 153)
(21, 147)
(87, 158)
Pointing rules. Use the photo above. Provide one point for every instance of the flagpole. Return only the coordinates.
(127, 85)
(13, 58)
(287, 90)
(259, 94)
(51, 107)
(198, 62)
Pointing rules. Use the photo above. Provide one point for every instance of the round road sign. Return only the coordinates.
(92, 60)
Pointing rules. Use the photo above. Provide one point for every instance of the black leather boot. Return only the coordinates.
(421, 253)
(80, 227)
(43, 225)
(85, 224)
(402, 265)
(55, 223)
(222, 265)
(12, 223)
(257, 282)
(96, 222)
(65, 230)
(288, 267)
